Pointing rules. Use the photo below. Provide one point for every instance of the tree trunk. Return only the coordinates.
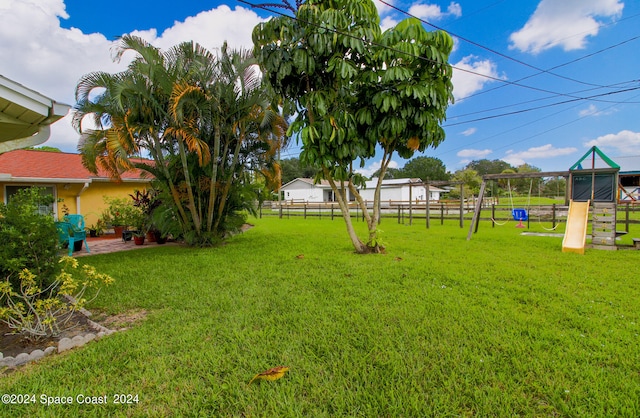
(344, 208)
(227, 185)
(187, 178)
(172, 187)
(214, 177)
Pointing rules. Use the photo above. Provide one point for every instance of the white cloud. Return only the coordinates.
(545, 151)
(210, 29)
(454, 9)
(388, 23)
(466, 80)
(469, 132)
(434, 12)
(565, 23)
(383, 8)
(625, 142)
(50, 59)
(373, 167)
(474, 154)
(592, 110)
(44, 56)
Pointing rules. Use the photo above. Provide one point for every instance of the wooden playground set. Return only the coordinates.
(589, 189)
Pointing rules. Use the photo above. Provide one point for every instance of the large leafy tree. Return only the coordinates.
(356, 90)
(486, 166)
(204, 119)
(292, 169)
(526, 186)
(425, 168)
(471, 181)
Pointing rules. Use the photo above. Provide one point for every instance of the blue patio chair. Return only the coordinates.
(71, 232)
(76, 220)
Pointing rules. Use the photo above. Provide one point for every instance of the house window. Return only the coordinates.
(47, 191)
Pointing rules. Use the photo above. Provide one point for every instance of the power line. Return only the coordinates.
(559, 66)
(540, 107)
(449, 117)
(527, 124)
(554, 128)
(493, 51)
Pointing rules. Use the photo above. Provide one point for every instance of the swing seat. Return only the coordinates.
(519, 214)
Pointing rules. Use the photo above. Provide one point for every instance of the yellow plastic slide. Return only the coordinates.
(575, 236)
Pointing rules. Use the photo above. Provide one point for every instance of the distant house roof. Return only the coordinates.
(42, 166)
(25, 115)
(393, 182)
(324, 184)
(629, 165)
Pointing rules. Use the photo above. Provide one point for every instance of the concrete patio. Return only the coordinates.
(107, 244)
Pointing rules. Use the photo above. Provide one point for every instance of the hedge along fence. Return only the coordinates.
(405, 212)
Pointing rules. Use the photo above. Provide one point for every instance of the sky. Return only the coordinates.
(535, 81)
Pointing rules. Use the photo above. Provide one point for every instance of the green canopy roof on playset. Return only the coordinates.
(593, 152)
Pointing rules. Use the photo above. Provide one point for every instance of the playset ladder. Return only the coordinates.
(603, 226)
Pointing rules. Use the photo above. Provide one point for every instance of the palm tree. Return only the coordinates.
(194, 113)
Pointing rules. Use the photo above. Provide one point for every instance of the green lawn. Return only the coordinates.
(502, 325)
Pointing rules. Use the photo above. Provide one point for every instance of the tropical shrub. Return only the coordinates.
(29, 237)
(38, 311)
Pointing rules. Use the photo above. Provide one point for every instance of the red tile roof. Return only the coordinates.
(52, 165)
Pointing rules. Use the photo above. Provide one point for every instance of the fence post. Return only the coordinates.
(553, 216)
(626, 223)
(410, 210)
(493, 215)
(305, 210)
(427, 213)
(280, 211)
(441, 213)
(332, 211)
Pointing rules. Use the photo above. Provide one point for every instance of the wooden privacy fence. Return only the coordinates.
(437, 211)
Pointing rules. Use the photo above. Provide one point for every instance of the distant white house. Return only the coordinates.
(304, 190)
(629, 178)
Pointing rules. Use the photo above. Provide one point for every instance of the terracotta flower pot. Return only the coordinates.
(138, 240)
(118, 230)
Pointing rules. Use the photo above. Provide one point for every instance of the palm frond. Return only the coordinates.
(193, 143)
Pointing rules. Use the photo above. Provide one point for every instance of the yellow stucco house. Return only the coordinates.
(63, 175)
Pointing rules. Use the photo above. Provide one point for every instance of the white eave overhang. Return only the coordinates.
(26, 116)
(8, 178)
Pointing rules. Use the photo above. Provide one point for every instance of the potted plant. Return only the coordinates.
(139, 222)
(147, 201)
(138, 237)
(118, 214)
(97, 229)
